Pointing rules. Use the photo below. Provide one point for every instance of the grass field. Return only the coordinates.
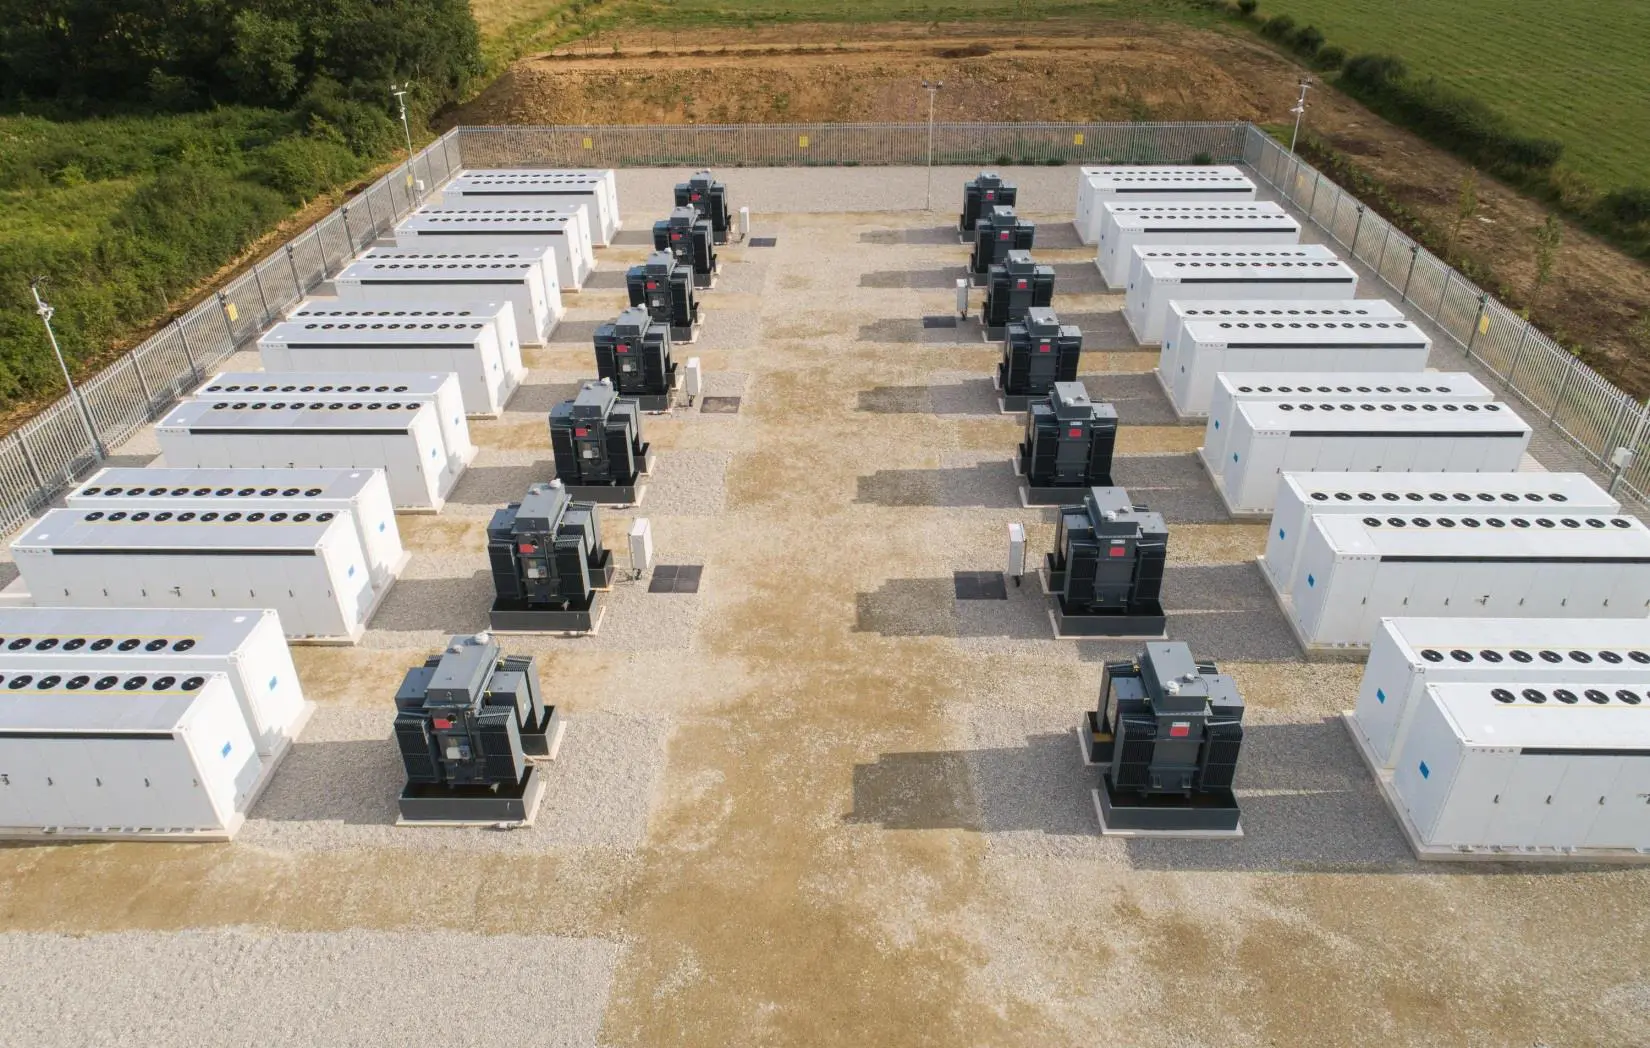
(1574, 71)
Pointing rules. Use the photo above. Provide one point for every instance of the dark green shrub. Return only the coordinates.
(1246, 8)
(1329, 58)
(301, 169)
(1307, 40)
(1279, 28)
(1373, 72)
(1629, 206)
(1202, 158)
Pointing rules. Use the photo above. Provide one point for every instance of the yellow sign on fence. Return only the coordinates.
(1077, 139)
(231, 312)
(1484, 324)
(802, 141)
(589, 144)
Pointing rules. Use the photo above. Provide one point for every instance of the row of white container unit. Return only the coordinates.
(1355, 570)
(1118, 183)
(1160, 276)
(402, 438)
(436, 281)
(597, 191)
(1268, 438)
(1232, 389)
(1206, 348)
(363, 494)
(307, 565)
(562, 228)
(1302, 497)
(1125, 227)
(1511, 737)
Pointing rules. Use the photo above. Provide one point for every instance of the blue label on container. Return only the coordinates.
(1280, 533)
(380, 525)
(1310, 582)
(1217, 423)
(1426, 772)
(1234, 456)
(1380, 695)
(226, 749)
(272, 682)
(351, 571)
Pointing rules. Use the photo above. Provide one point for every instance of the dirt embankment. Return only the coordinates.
(1148, 71)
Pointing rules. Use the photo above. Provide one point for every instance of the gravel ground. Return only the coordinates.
(822, 801)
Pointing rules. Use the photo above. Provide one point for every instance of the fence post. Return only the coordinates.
(349, 237)
(372, 213)
(446, 160)
(1380, 262)
(1523, 338)
(1632, 447)
(297, 281)
(1478, 321)
(1552, 416)
(28, 460)
(143, 383)
(1353, 250)
(1449, 275)
(1414, 256)
(228, 321)
(258, 281)
(1312, 207)
(188, 354)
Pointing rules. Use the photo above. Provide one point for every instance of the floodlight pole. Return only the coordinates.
(1299, 110)
(45, 311)
(400, 93)
(932, 87)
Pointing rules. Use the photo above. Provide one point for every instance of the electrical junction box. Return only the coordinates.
(548, 563)
(709, 198)
(1526, 771)
(438, 389)
(695, 380)
(641, 545)
(1166, 738)
(597, 440)
(565, 230)
(402, 439)
(307, 566)
(1098, 186)
(981, 194)
(1407, 655)
(487, 374)
(362, 494)
(467, 723)
(1067, 447)
(90, 753)
(1016, 551)
(633, 353)
(1239, 387)
(248, 647)
(1270, 438)
(1305, 496)
(387, 278)
(665, 288)
(1287, 310)
(687, 235)
(1159, 276)
(998, 232)
(1014, 286)
(595, 191)
(1356, 570)
(1107, 567)
(1235, 347)
(1037, 352)
(1124, 227)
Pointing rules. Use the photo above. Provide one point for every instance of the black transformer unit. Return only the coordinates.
(467, 723)
(665, 289)
(549, 565)
(1068, 446)
(998, 232)
(687, 235)
(633, 353)
(1038, 351)
(982, 194)
(1014, 286)
(708, 197)
(1107, 567)
(1166, 737)
(597, 440)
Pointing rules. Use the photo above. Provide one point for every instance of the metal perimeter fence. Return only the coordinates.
(54, 449)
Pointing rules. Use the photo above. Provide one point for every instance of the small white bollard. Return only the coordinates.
(641, 545)
(1016, 552)
(744, 223)
(694, 380)
(962, 298)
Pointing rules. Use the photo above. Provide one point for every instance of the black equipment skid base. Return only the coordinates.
(1150, 623)
(977, 279)
(516, 616)
(1087, 732)
(425, 804)
(536, 739)
(601, 576)
(1207, 813)
(705, 281)
(1050, 494)
(684, 335)
(628, 493)
(1015, 403)
(1055, 576)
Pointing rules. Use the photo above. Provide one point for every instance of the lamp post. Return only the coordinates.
(45, 311)
(400, 93)
(933, 88)
(1299, 110)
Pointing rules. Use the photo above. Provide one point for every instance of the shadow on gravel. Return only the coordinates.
(1138, 398)
(536, 397)
(936, 235)
(1173, 485)
(450, 605)
(989, 484)
(975, 396)
(922, 279)
(575, 332)
(1224, 611)
(355, 781)
(930, 608)
(605, 280)
(496, 485)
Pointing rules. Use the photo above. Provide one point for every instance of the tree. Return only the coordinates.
(1466, 208)
(1547, 240)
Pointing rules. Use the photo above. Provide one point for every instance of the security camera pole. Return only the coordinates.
(932, 87)
(46, 312)
(1299, 110)
(400, 93)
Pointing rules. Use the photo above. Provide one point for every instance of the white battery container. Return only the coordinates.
(246, 645)
(437, 388)
(1262, 309)
(1303, 496)
(309, 567)
(1241, 387)
(364, 494)
(404, 441)
(1213, 347)
(1355, 571)
(1269, 438)
(525, 278)
(1124, 227)
(89, 753)
(1097, 186)
(1165, 275)
(564, 230)
(1409, 654)
(596, 190)
(1510, 768)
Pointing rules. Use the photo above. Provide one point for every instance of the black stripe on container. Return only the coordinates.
(527, 192)
(1328, 345)
(1267, 280)
(1170, 187)
(219, 431)
(181, 551)
(143, 736)
(1424, 559)
(1396, 433)
(1214, 229)
(1567, 751)
(376, 345)
(516, 231)
(436, 278)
